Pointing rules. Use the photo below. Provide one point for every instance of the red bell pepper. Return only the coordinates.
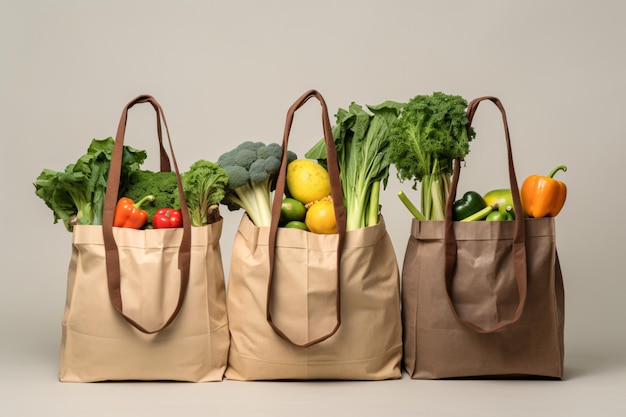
(166, 218)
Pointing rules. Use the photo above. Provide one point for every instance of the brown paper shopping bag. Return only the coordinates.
(313, 306)
(144, 304)
(483, 298)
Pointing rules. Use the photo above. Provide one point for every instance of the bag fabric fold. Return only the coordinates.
(437, 345)
(368, 343)
(98, 344)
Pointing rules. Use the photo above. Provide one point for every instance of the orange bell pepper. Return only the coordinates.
(129, 214)
(543, 196)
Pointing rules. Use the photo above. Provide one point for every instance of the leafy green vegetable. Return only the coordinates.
(204, 185)
(76, 195)
(362, 143)
(162, 185)
(429, 134)
(252, 169)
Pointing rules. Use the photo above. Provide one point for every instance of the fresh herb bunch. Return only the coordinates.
(430, 133)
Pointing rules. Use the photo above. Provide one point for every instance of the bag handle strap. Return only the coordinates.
(519, 236)
(110, 201)
(164, 164)
(338, 204)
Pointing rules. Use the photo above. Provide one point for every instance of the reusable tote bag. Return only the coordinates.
(483, 298)
(144, 304)
(313, 306)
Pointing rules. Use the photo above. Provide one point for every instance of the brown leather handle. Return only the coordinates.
(519, 236)
(110, 202)
(340, 212)
(165, 165)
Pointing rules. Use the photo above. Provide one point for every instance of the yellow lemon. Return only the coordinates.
(307, 180)
(320, 218)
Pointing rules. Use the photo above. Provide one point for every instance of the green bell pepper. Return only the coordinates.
(470, 207)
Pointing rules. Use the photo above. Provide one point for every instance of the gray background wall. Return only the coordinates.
(227, 72)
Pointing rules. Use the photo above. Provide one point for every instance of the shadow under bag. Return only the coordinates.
(313, 306)
(483, 298)
(144, 304)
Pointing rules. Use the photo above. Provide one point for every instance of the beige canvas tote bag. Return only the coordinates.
(313, 306)
(144, 304)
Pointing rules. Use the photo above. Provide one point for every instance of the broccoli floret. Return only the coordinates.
(243, 158)
(263, 169)
(273, 149)
(204, 185)
(162, 185)
(252, 179)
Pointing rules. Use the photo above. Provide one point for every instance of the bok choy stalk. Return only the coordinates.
(362, 143)
(76, 194)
